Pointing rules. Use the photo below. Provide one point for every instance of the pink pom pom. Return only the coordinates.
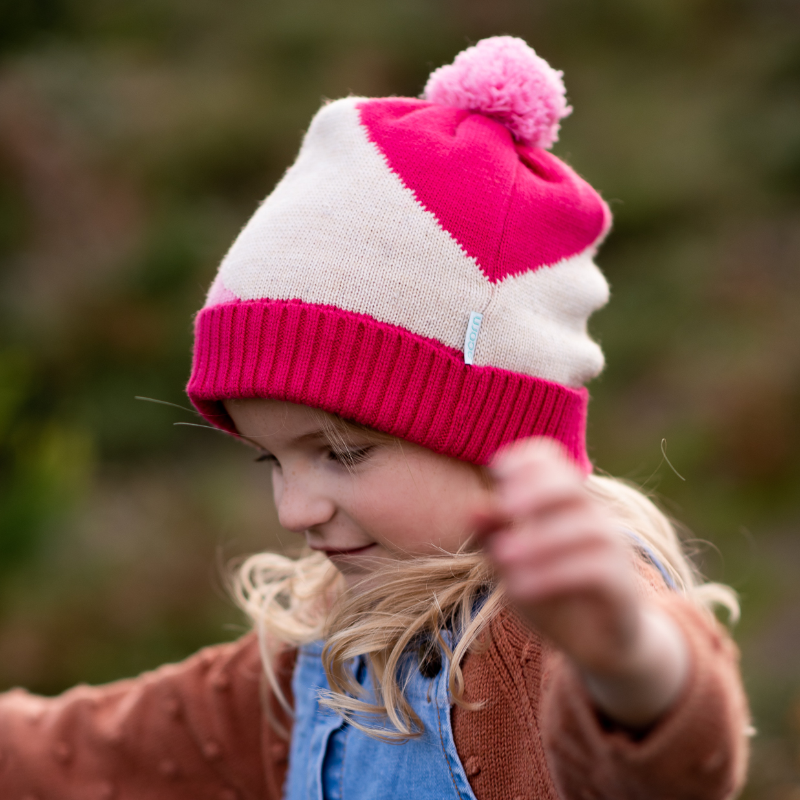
(503, 78)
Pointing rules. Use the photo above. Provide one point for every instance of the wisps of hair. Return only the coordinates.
(410, 607)
(635, 511)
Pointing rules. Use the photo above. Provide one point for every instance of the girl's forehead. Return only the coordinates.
(275, 420)
(269, 422)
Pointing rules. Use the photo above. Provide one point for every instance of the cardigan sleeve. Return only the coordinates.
(697, 751)
(187, 731)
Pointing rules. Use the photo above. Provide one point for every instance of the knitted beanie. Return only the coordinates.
(424, 268)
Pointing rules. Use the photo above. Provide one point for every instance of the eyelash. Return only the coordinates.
(348, 458)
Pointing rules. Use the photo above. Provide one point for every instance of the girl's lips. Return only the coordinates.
(334, 553)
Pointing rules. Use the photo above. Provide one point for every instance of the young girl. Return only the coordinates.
(400, 330)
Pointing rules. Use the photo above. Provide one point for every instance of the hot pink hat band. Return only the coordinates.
(378, 375)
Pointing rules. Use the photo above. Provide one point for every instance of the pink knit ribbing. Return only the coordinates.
(378, 375)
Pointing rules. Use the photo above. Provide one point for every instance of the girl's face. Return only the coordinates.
(360, 499)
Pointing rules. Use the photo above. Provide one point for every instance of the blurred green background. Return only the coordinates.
(137, 138)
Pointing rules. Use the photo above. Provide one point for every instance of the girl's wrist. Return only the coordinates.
(650, 678)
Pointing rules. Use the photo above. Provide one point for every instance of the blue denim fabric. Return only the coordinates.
(332, 760)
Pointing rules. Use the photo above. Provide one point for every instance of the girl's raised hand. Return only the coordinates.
(570, 574)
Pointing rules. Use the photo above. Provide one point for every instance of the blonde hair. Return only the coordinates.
(418, 605)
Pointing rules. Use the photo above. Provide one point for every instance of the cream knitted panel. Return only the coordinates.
(536, 322)
(341, 229)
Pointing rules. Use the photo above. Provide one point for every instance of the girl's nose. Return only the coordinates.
(300, 504)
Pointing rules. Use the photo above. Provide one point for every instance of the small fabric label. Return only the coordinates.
(471, 338)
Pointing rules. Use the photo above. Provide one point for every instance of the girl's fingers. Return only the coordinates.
(546, 537)
(545, 496)
(536, 485)
(588, 574)
(488, 520)
(579, 566)
(529, 452)
(563, 537)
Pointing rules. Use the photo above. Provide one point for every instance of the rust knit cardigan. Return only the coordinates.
(200, 729)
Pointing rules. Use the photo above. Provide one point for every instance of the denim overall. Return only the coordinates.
(331, 760)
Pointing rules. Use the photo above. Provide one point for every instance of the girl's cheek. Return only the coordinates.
(277, 486)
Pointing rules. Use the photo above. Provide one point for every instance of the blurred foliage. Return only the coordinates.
(137, 138)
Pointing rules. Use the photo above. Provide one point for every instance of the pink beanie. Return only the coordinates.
(424, 268)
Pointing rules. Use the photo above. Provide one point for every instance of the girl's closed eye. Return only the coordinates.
(350, 457)
(347, 457)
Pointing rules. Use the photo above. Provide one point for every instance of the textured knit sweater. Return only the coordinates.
(205, 728)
